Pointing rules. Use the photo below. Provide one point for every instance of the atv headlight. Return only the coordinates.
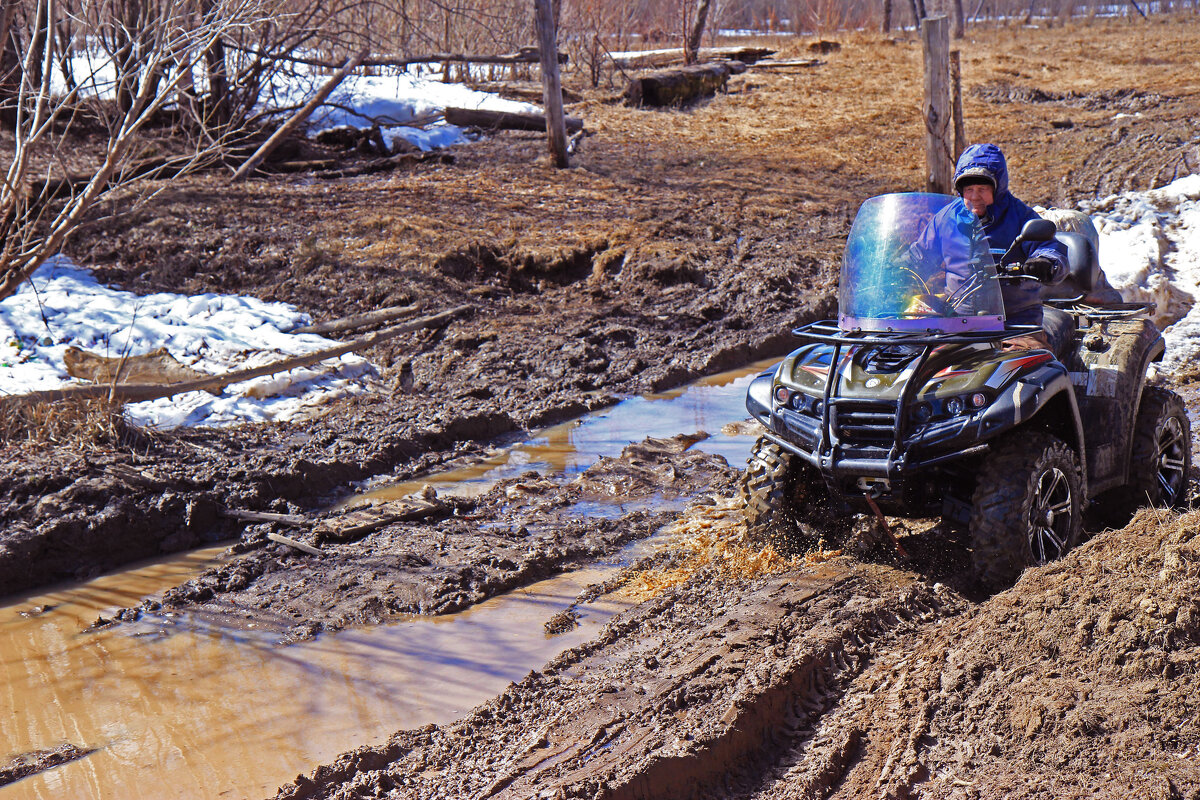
(955, 406)
(781, 395)
(978, 400)
(923, 412)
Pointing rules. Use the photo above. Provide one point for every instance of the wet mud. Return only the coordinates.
(679, 245)
(434, 555)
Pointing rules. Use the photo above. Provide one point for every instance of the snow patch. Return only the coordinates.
(1150, 251)
(63, 305)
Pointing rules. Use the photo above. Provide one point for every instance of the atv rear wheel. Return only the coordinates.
(1161, 454)
(1027, 507)
(775, 488)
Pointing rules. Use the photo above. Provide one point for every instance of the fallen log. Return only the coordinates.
(794, 63)
(677, 86)
(526, 55)
(526, 91)
(136, 393)
(667, 57)
(357, 321)
(504, 120)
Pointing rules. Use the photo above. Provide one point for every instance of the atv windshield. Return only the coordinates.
(918, 262)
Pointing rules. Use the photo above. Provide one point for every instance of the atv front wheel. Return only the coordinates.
(1027, 507)
(774, 487)
(1161, 455)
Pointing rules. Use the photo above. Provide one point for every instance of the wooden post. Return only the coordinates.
(960, 126)
(886, 26)
(556, 131)
(935, 36)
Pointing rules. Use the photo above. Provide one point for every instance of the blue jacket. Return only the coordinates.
(1001, 224)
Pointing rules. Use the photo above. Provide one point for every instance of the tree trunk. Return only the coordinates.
(935, 35)
(960, 20)
(678, 86)
(692, 46)
(887, 17)
(11, 73)
(556, 133)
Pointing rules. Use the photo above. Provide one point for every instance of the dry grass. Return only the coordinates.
(715, 537)
(83, 424)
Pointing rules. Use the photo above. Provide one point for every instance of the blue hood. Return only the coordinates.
(984, 159)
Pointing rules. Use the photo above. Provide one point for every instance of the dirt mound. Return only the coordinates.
(1116, 100)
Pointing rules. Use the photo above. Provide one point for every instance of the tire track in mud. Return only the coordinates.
(696, 693)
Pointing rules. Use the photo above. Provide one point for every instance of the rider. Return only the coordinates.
(981, 178)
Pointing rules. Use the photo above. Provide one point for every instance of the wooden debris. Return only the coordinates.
(300, 116)
(294, 520)
(364, 521)
(527, 91)
(358, 321)
(677, 86)
(156, 367)
(504, 120)
(301, 546)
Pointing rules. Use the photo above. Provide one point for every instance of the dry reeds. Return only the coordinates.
(86, 424)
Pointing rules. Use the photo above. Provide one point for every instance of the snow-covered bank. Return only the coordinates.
(396, 102)
(63, 306)
(1150, 251)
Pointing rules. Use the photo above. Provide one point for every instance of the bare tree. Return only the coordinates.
(41, 201)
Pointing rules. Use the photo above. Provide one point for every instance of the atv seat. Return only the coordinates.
(1081, 260)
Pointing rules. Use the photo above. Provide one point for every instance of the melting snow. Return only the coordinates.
(64, 305)
(1150, 251)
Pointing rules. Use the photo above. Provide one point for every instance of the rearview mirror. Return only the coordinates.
(1038, 230)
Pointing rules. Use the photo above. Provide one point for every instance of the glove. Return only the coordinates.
(1039, 268)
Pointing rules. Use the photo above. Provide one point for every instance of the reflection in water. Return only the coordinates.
(707, 405)
(203, 712)
(200, 713)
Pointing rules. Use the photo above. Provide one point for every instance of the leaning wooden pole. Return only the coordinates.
(556, 131)
(286, 129)
(956, 105)
(935, 35)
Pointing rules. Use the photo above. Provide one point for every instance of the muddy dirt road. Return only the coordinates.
(682, 243)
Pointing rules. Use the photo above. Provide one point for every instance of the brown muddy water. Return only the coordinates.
(709, 405)
(176, 708)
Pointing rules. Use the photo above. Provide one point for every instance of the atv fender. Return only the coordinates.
(758, 397)
(1046, 394)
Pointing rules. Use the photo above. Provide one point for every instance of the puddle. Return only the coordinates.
(204, 714)
(568, 449)
(177, 708)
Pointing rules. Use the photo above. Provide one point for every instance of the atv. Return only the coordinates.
(910, 403)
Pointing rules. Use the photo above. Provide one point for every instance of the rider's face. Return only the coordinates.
(978, 196)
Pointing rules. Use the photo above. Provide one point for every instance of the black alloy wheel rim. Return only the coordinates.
(1170, 460)
(1051, 516)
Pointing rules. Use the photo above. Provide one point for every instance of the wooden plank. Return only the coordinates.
(294, 520)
